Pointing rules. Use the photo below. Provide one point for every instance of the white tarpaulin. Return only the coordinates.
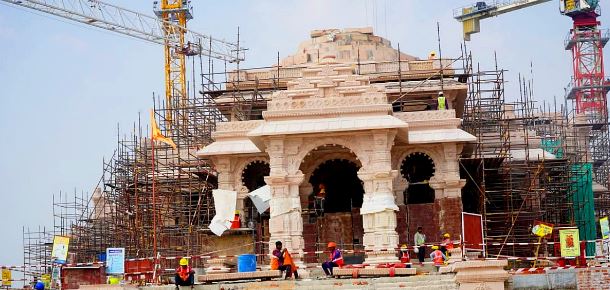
(260, 197)
(225, 202)
(377, 203)
(282, 205)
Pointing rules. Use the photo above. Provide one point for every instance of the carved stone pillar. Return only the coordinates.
(285, 223)
(379, 206)
(448, 192)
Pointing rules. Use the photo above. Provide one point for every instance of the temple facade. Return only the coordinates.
(354, 149)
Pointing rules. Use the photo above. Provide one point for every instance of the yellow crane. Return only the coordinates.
(167, 29)
(471, 15)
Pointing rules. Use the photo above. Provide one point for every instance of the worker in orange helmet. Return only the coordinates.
(335, 259)
(185, 276)
(437, 257)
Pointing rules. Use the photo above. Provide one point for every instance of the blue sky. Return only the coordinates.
(64, 87)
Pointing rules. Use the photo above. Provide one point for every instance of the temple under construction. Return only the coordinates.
(351, 116)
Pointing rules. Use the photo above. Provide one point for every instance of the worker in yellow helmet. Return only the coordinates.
(185, 276)
(432, 55)
(447, 243)
(437, 257)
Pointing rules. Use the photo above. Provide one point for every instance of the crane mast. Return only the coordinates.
(589, 86)
(175, 13)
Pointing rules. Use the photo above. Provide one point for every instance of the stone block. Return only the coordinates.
(488, 275)
(360, 272)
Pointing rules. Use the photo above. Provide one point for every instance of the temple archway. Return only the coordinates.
(418, 168)
(331, 197)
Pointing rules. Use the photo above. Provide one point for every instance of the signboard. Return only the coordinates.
(542, 229)
(472, 232)
(115, 260)
(569, 243)
(6, 277)
(605, 228)
(60, 249)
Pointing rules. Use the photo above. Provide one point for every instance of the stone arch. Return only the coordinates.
(349, 143)
(241, 166)
(418, 169)
(310, 168)
(433, 153)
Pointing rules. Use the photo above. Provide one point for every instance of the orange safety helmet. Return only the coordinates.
(332, 245)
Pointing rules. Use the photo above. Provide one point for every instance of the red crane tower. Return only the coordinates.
(589, 86)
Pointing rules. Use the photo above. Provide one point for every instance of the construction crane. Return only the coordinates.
(167, 29)
(588, 87)
(471, 15)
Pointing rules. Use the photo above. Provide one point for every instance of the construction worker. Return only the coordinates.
(447, 244)
(281, 260)
(437, 257)
(404, 254)
(185, 276)
(335, 259)
(442, 102)
(420, 244)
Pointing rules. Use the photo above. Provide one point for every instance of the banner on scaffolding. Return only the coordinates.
(6, 277)
(569, 243)
(115, 261)
(605, 227)
(60, 249)
(542, 229)
(472, 232)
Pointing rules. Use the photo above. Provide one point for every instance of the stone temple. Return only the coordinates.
(347, 127)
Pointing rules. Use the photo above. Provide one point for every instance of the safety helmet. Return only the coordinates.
(432, 54)
(39, 285)
(446, 235)
(332, 245)
(440, 93)
(434, 247)
(403, 247)
(184, 262)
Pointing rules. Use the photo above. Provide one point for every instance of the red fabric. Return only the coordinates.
(184, 272)
(438, 257)
(448, 243)
(405, 257)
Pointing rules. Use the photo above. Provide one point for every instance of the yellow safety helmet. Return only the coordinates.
(403, 247)
(432, 55)
(434, 247)
(184, 262)
(446, 235)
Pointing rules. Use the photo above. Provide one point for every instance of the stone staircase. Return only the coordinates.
(427, 282)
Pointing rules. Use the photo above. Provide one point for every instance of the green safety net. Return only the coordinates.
(552, 146)
(582, 197)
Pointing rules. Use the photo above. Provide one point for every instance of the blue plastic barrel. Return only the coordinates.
(246, 263)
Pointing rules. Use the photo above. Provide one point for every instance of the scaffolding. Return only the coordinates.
(517, 172)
